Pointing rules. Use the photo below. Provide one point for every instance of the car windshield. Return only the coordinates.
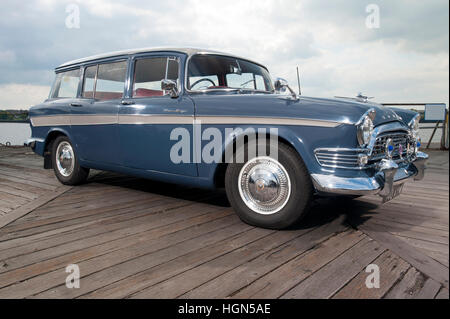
(215, 72)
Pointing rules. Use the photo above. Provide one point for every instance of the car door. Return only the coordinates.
(149, 116)
(94, 117)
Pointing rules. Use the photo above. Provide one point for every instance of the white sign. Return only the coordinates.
(435, 112)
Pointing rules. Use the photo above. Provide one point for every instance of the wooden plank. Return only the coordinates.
(12, 199)
(391, 269)
(328, 280)
(443, 294)
(429, 290)
(436, 251)
(412, 286)
(415, 257)
(123, 224)
(111, 238)
(177, 265)
(25, 209)
(130, 268)
(99, 271)
(413, 220)
(237, 278)
(121, 215)
(209, 266)
(46, 225)
(22, 186)
(299, 268)
(17, 192)
(115, 246)
(29, 182)
(415, 232)
(36, 178)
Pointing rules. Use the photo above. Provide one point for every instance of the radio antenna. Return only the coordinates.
(298, 81)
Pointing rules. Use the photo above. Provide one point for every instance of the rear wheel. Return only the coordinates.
(65, 162)
(268, 192)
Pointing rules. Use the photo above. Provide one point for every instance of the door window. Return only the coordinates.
(105, 81)
(149, 72)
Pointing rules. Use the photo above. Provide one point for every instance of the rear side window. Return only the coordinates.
(66, 84)
(105, 81)
(149, 72)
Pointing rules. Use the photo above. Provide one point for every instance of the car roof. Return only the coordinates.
(187, 51)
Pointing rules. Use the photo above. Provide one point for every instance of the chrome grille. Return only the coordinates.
(398, 138)
(339, 158)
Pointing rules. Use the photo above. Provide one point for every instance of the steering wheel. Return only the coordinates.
(202, 80)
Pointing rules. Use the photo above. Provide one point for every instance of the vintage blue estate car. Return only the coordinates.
(154, 113)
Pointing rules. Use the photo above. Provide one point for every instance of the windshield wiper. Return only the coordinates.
(252, 80)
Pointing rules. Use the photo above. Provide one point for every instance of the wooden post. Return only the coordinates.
(432, 134)
(445, 137)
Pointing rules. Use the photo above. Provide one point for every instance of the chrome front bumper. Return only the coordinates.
(387, 175)
(31, 142)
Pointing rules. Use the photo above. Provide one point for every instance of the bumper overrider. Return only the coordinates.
(387, 180)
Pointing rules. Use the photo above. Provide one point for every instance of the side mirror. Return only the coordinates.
(281, 85)
(170, 86)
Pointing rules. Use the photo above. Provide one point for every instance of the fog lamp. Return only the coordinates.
(389, 148)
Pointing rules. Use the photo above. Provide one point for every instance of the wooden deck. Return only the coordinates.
(134, 238)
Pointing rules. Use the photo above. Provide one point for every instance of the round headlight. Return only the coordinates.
(414, 125)
(365, 131)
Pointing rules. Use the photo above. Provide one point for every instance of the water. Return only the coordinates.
(17, 133)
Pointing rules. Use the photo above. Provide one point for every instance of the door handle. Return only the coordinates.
(127, 102)
(75, 104)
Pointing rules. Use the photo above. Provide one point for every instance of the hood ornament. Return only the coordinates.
(359, 98)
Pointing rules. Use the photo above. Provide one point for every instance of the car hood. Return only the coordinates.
(349, 111)
(277, 105)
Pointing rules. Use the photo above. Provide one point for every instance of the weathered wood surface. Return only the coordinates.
(415, 225)
(133, 238)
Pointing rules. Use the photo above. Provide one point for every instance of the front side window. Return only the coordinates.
(149, 72)
(66, 84)
(105, 81)
(207, 72)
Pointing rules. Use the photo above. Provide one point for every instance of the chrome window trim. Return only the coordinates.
(132, 67)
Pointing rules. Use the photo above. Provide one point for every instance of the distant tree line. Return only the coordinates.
(13, 116)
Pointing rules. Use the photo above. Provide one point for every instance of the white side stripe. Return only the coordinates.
(105, 119)
(155, 119)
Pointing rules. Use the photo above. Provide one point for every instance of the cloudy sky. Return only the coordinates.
(405, 59)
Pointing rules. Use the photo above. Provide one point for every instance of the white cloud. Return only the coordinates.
(22, 96)
(405, 60)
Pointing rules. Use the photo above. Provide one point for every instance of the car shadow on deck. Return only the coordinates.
(321, 212)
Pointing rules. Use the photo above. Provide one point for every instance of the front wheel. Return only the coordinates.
(65, 163)
(268, 192)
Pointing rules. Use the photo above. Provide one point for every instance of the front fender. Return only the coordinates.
(304, 139)
(46, 134)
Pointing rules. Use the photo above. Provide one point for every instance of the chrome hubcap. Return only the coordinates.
(264, 185)
(65, 159)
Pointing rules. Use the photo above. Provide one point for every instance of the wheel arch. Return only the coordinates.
(52, 135)
(284, 136)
